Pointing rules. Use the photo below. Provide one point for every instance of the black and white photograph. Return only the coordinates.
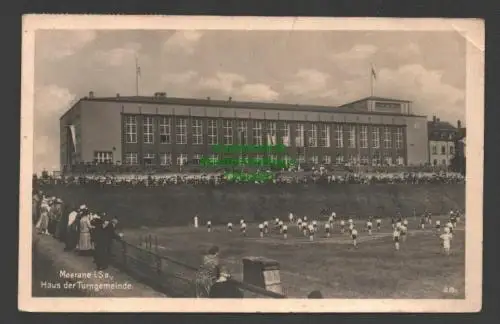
(170, 161)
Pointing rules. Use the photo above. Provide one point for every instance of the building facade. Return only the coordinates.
(442, 141)
(174, 131)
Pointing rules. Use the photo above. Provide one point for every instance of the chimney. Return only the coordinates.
(230, 99)
(459, 124)
(433, 119)
(438, 120)
(91, 94)
(117, 95)
(208, 98)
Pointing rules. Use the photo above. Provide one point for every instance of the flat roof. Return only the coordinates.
(244, 104)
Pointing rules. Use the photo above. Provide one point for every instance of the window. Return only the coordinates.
(364, 160)
(387, 138)
(148, 128)
(181, 159)
(400, 160)
(214, 158)
(376, 137)
(352, 136)
(388, 158)
(313, 136)
(181, 130)
(243, 159)
(242, 132)
(452, 149)
(273, 159)
(399, 138)
(314, 159)
(271, 133)
(299, 135)
(376, 158)
(131, 158)
(165, 136)
(196, 158)
(197, 131)
(165, 159)
(435, 162)
(301, 158)
(434, 149)
(149, 158)
(257, 132)
(285, 134)
(227, 128)
(443, 149)
(212, 132)
(324, 135)
(103, 157)
(259, 159)
(339, 159)
(340, 136)
(327, 159)
(363, 137)
(353, 159)
(130, 129)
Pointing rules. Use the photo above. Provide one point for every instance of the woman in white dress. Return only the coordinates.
(85, 242)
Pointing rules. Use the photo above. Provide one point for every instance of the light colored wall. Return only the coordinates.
(101, 129)
(417, 140)
(439, 157)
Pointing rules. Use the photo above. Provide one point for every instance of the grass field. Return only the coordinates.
(332, 265)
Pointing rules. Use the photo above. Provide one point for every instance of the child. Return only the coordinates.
(354, 236)
(438, 226)
(379, 223)
(327, 229)
(230, 227)
(261, 229)
(342, 226)
(209, 226)
(311, 233)
(244, 229)
(395, 237)
(446, 241)
(369, 227)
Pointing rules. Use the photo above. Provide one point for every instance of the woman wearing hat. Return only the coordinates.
(85, 242)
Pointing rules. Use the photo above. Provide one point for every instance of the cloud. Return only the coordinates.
(256, 91)
(180, 78)
(223, 82)
(404, 51)
(51, 102)
(56, 45)
(183, 41)
(307, 82)
(118, 56)
(354, 61)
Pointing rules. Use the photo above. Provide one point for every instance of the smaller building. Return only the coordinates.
(442, 141)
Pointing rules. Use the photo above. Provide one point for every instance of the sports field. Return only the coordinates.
(332, 265)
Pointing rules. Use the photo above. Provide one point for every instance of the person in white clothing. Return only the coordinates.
(438, 225)
(334, 215)
(243, 229)
(404, 232)
(342, 226)
(327, 229)
(405, 222)
(379, 223)
(299, 224)
(209, 226)
(230, 227)
(369, 227)
(280, 224)
(351, 227)
(311, 232)
(304, 228)
(354, 236)
(330, 220)
(449, 225)
(315, 225)
(285, 232)
(266, 227)
(261, 229)
(446, 238)
(242, 221)
(290, 218)
(350, 221)
(196, 221)
(276, 221)
(395, 237)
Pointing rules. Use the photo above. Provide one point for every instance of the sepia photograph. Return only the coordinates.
(167, 162)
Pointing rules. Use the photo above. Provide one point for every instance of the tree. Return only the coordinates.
(458, 163)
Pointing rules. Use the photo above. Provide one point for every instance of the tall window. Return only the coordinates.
(259, 159)
(130, 129)
(376, 158)
(181, 159)
(387, 158)
(285, 134)
(376, 137)
(227, 127)
(214, 158)
(181, 130)
(339, 131)
(387, 138)
(257, 132)
(103, 157)
(212, 132)
(314, 159)
(299, 135)
(452, 149)
(149, 158)
(434, 149)
(243, 159)
(339, 159)
(327, 159)
(364, 160)
(196, 158)
(313, 136)
(352, 136)
(399, 138)
(242, 132)
(131, 158)
(301, 158)
(165, 158)
(443, 149)
(400, 160)
(197, 130)
(165, 135)
(324, 135)
(363, 137)
(271, 133)
(148, 129)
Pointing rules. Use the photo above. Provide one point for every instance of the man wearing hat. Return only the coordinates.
(104, 235)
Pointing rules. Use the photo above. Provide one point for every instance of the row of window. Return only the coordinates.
(318, 135)
(443, 149)
(132, 158)
(443, 162)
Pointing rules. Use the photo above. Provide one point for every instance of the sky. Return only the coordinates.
(297, 67)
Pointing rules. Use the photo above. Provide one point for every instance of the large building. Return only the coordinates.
(161, 130)
(442, 141)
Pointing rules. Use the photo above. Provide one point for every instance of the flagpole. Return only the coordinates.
(137, 69)
(371, 80)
